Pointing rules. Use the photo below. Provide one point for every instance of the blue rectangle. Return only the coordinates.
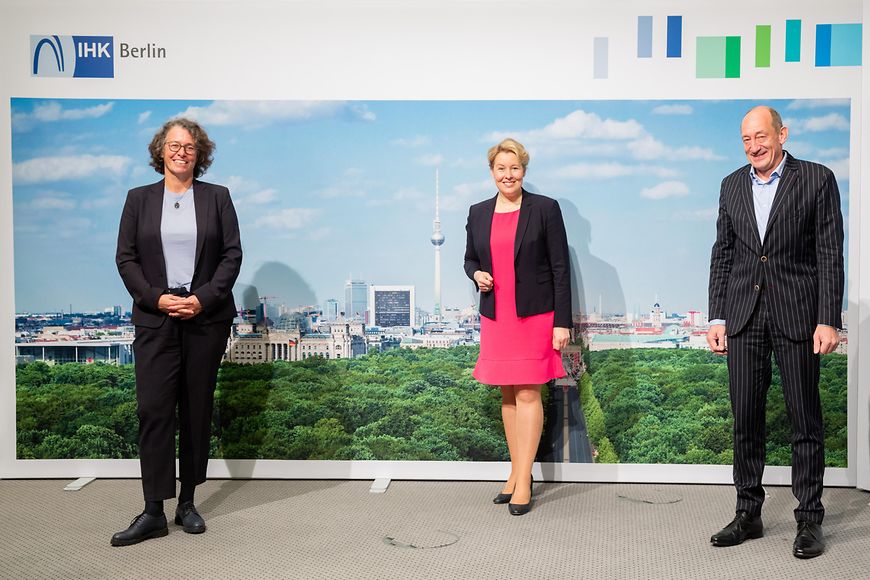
(644, 36)
(823, 45)
(792, 41)
(675, 36)
(94, 56)
(846, 45)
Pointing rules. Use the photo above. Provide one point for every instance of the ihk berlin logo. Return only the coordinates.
(72, 56)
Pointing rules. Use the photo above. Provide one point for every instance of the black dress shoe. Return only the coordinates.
(187, 516)
(505, 497)
(743, 527)
(809, 541)
(143, 527)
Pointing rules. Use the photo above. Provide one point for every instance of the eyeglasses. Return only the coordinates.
(175, 147)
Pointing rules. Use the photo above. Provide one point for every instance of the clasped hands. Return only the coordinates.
(178, 307)
(825, 339)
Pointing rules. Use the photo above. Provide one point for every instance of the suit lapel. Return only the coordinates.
(787, 183)
(202, 208)
(525, 209)
(744, 194)
(485, 232)
(154, 219)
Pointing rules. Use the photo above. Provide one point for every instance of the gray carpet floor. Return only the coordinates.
(419, 529)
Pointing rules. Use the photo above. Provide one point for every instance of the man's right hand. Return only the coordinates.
(717, 340)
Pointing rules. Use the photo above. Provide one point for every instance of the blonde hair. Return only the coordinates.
(509, 146)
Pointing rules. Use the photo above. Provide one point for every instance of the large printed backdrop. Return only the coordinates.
(334, 191)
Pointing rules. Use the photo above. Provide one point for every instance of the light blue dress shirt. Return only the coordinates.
(763, 193)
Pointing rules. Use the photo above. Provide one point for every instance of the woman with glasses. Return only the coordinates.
(178, 254)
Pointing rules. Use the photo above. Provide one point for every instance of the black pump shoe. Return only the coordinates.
(521, 509)
(504, 498)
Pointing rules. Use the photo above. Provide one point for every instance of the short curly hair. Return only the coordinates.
(204, 146)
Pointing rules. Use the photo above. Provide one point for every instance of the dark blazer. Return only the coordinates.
(218, 253)
(798, 264)
(541, 260)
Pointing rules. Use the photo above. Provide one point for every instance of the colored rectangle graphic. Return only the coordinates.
(762, 46)
(675, 36)
(644, 36)
(838, 44)
(792, 41)
(718, 57)
(599, 57)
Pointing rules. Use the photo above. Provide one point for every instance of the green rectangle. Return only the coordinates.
(732, 57)
(762, 46)
(710, 57)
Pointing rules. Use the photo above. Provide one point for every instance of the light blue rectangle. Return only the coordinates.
(644, 36)
(599, 57)
(846, 45)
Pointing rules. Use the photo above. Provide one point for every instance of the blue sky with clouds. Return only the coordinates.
(331, 189)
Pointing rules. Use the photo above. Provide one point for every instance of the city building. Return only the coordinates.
(356, 304)
(392, 305)
(437, 240)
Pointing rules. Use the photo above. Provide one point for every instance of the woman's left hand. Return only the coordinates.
(561, 336)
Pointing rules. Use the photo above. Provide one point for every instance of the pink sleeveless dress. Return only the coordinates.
(513, 350)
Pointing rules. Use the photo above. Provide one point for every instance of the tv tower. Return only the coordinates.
(437, 240)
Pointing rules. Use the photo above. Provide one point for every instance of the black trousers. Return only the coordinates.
(176, 368)
(749, 372)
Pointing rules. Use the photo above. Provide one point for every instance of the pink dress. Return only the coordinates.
(513, 350)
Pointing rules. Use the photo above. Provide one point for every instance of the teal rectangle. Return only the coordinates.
(710, 55)
(846, 45)
(792, 41)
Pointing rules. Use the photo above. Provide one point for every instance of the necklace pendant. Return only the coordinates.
(177, 205)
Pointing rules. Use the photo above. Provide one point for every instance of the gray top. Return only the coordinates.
(178, 234)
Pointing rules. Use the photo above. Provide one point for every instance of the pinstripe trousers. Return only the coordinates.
(749, 374)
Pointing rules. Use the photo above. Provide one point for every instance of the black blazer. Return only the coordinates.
(798, 265)
(218, 253)
(541, 260)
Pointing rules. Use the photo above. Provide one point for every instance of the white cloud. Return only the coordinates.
(673, 110)
(576, 125)
(143, 116)
(320, 234)
(465, 194)
(648, 147)
(829, 122)
(665, 190)
(610, 170)
(53, 111)
(840, 167)
(287, 219)
(363, 113)
(430, 159)
(51, 200)
(47, 169)
(400, 195)
(833, 152)
(817, 103)
(261, 197)
(259, 113)
(415, 141)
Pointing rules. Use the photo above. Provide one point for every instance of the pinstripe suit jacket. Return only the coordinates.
(798, 264)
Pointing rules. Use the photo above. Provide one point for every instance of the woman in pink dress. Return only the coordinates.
(517, 254)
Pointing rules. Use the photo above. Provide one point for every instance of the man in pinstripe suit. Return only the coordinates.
(776, 286)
